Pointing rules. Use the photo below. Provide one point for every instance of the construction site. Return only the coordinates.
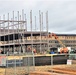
(25, 47)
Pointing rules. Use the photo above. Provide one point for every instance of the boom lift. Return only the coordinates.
(64, 49)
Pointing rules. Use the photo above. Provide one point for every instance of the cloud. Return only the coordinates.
(63, 18)
(62, 13)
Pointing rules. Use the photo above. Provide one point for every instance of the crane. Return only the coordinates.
(64, 49)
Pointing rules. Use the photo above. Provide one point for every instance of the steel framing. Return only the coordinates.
(18, 25)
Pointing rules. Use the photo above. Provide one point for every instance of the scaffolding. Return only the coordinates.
(14, 32)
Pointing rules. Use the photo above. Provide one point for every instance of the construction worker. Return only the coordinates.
(34, 50)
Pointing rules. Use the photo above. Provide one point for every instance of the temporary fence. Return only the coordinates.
(2, 60)
(72, 56)
(19, 64)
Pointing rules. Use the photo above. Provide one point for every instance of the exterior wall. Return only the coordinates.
(67, 40)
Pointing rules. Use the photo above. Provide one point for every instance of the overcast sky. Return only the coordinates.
(62, 13)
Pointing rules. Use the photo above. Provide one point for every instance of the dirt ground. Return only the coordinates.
(46, 69)
(2, 71)
(62, 67)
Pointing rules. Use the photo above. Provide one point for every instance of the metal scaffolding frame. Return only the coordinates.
(18, 25)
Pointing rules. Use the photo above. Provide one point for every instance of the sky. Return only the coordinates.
(61, 13)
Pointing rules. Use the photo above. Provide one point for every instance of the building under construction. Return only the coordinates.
(15, 36)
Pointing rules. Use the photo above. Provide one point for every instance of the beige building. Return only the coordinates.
(69, 40)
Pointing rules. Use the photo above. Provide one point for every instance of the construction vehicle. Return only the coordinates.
(64, 49)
